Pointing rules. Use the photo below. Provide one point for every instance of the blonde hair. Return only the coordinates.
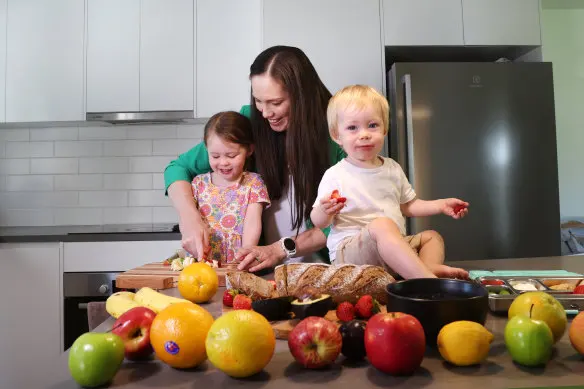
(356, 97)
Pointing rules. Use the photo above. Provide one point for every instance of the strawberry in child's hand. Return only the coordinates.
(345, 311)
(228, 297)
(459, 208)
(241, 301)
(366, 307)
(337, 196)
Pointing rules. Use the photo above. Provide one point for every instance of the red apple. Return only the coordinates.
(133, 326)
(576, 333)
(395, 342)
(315, 342)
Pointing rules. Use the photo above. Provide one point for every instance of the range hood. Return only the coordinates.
(142, 117)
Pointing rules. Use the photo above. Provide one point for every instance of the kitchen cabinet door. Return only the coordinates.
(3, 61)
(167, 55)
(31, 313)
(501, 22)
(224, 54)
(342, 38)
(44, 60)
(113, 55)
(422, 23)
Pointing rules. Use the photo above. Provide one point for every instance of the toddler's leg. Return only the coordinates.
(395, 251)
(431, 252)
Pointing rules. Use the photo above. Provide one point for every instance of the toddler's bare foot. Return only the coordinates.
(443, 271)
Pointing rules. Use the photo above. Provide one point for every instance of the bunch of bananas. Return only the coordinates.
(120, 302)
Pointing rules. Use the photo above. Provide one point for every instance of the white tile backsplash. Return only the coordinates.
(89, 174)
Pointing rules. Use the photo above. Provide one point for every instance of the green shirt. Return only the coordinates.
(196, 161)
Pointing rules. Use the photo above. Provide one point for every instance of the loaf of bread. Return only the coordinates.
(250, 285)
(342, 282)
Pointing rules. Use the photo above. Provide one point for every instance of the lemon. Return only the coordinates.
(464, 343)
(240, 343)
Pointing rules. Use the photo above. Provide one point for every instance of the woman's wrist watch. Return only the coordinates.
(289, 246)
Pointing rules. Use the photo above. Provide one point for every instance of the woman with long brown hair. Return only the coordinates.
(293, 149)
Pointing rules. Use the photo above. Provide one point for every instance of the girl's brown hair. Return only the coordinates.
(302, 151)
(230, 126)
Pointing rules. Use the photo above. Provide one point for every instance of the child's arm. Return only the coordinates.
(452, 207)
(252, 225)
(322, 214)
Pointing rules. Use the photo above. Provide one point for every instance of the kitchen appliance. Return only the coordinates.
(142, 117)
(78, 290)
(484, 133)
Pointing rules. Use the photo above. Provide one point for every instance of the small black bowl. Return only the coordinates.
(436, 302)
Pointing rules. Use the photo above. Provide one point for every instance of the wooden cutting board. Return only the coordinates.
(282, 328)
(155, 275)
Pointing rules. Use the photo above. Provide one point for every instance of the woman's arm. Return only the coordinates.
(252, 225)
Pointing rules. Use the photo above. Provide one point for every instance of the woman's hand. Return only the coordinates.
(260, 257)
(455, 208)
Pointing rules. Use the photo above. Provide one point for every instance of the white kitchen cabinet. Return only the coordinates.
(225, 51)
(113, 55)
(342, 38)
(167, 55)
(30, 323)
(422, 23)
(3, 4)
(44, 60)
(501, 22)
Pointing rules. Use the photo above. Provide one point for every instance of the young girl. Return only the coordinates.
(230, 199)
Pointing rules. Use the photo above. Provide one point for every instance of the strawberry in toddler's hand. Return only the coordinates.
(459, 208)
(336, 195)
(345, 311)
(241, 301)
(366, 307)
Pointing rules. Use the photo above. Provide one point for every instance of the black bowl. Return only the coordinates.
(436, 302)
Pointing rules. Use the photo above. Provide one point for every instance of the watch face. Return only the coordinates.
(289, 244)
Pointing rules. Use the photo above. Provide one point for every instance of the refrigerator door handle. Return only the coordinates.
(407, 89)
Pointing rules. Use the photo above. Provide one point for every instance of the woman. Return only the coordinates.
(288, 116)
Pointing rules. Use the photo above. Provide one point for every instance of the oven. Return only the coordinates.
(78, 290)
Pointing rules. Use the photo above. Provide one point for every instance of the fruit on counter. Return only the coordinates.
(311, 303)
(464, 343)
(178, 335)
(198, 282)
(576, 333)
(353, 334)
(395, 343)
(240, 343)
(95, 358)
(366, 307)
(337, 196)
(133, 326)
(315, 342)
(528, 340)
(541, 306)
(148, 297)
(120, 302)
(345, 311)
(279, 308)
(242, 301)
(228, 296)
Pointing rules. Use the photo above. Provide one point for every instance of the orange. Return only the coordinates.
(240, 343)
(198, 282)
(178, 334)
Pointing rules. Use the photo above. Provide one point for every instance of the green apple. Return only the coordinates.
(95, 358)
(528, 341)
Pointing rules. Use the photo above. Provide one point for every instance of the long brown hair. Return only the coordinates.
(302, 150)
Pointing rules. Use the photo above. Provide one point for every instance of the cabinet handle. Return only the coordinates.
(407, 85)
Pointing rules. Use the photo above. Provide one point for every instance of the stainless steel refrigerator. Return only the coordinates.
(485, 133)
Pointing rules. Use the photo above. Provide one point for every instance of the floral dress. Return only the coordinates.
(224, 210)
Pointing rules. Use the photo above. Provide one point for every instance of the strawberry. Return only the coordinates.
(273, 283)
(228, 296)
(337, 196)
(459, 208)
(241, 301)
(579, 289)
(366, 307)
(345, 311)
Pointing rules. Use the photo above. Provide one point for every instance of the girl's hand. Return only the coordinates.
(332, 205)
(455, 208)
(195, 236)
(259, 257)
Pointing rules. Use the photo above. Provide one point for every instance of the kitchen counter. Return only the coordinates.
(566, 367)
(90, 233)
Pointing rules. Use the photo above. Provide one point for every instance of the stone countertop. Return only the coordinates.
(566, 367)
(90, 233)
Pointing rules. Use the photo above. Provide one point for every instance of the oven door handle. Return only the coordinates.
(82, 306)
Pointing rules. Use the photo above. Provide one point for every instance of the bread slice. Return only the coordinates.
(250, 285)
(281, 278)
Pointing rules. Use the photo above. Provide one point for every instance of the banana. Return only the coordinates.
(154, 300)
(120, 302)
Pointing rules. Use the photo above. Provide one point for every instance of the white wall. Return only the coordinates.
(563, 45)
(89, 175)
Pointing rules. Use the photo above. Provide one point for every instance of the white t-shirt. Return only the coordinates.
(370, 193)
